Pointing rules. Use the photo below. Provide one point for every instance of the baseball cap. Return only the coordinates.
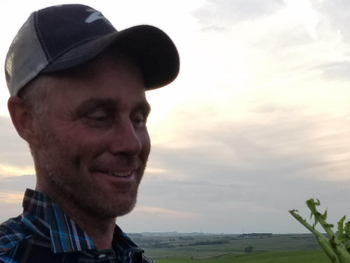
(65, 36)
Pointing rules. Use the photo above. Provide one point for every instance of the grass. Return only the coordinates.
(182, 249)
(296, 256)
(231, 248)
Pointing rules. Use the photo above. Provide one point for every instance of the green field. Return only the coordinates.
(297, 256)
(231, 248)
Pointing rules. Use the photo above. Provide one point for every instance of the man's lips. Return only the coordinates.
(125, 173)
(122, 170)
(120, 174)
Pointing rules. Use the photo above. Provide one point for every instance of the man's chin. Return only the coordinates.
(112, 211)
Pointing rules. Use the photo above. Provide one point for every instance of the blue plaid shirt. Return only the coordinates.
(44, 233)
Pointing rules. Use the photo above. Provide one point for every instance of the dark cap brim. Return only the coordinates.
(149, 46)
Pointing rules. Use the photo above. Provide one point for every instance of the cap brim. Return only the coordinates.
(149, 46)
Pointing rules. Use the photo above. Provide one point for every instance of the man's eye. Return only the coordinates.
(139, 121)
(98, 118)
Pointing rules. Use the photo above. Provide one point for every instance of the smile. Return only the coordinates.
(120, 174)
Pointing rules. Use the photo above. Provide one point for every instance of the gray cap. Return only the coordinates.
(62, 37)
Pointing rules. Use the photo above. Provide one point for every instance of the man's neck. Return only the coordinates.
(99, 230)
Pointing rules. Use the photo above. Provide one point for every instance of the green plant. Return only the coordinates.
(333, 245)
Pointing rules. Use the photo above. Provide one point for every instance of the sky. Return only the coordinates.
(256, 123)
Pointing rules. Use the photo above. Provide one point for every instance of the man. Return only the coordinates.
(78, 98)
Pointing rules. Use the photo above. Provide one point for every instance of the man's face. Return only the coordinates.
(94, 141)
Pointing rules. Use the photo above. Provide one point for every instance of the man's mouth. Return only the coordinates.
(120, 174)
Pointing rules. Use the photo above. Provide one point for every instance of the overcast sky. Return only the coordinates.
(256, 123)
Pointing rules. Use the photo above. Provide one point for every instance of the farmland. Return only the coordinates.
(249, 248)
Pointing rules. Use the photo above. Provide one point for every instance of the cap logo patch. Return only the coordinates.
(95, 16)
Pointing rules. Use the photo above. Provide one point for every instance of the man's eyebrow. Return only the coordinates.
(94, 103)
(90, 104)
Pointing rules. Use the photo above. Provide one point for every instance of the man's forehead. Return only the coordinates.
(102, 79)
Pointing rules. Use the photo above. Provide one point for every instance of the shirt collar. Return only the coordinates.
(45, 218)
(42, 216)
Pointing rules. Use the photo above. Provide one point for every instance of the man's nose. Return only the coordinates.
(125, 139)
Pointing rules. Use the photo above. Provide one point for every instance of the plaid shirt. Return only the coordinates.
(44, 233)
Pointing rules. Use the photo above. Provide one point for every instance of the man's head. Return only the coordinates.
(84, 115)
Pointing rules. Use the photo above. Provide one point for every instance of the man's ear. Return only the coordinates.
(23, 120)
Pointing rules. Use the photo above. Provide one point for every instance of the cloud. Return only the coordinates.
(257, 204)
(277, 156)
(336, 71)
(6, 170)
(11, 197)
(16, 183)
(335, 16)
(305, 13)
(220, 14)
(11, 194)
(14, 152)
(162, 212)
